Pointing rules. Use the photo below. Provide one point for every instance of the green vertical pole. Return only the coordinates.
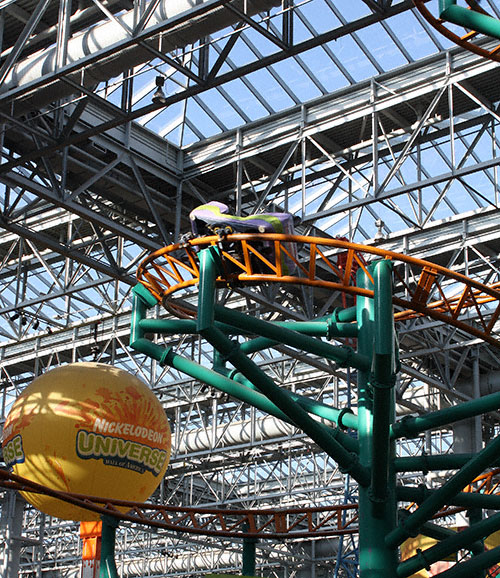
(209, 259)
(376, 560)
(107, 568)
(249, 547)
(382, 383)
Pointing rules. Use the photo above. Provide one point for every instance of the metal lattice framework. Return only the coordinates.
(360, 119)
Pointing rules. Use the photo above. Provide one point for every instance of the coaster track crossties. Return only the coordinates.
(421, 288)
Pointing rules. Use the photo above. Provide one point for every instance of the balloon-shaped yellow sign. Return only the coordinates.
(87, 428)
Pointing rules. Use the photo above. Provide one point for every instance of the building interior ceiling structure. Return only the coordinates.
(118, 117)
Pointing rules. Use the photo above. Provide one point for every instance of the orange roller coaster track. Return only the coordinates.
(264, 523)
(422, 288)
(226, 523)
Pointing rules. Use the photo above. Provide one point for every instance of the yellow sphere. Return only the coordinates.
(87, 428)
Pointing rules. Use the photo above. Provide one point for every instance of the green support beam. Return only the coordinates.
(318, 328)
(419, 494)
(438, 462)
(453, 543)
(339, 354)
(231, 382)
(413, 426)
(324, 436)
(433, 530)
(107, 567)
(468, 18)
(166, 356)
(341, 417)
(470, 568)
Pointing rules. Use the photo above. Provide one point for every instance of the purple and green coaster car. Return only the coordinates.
(214, 218)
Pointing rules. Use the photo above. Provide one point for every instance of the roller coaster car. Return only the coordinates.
(214, 218)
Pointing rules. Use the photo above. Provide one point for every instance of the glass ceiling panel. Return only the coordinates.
(326, 71)
(382, 47)
(319, 15)
(366, 51)
(419, 39)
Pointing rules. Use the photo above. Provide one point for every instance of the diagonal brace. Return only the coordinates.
(440, 497)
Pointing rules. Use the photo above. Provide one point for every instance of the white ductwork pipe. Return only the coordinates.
(204, 439)
(320, 550)
(117, 48)
(173, 562)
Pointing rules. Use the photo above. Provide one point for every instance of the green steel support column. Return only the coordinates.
(384, 366)
(413, 426)
(249, 545)
(107, 568)
(442, 496)
(206, 298)
(142, 300)
(382, 381)
(376, 560)
(321, 434)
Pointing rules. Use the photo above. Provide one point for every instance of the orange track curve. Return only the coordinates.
(422, 288)
(267, 524)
